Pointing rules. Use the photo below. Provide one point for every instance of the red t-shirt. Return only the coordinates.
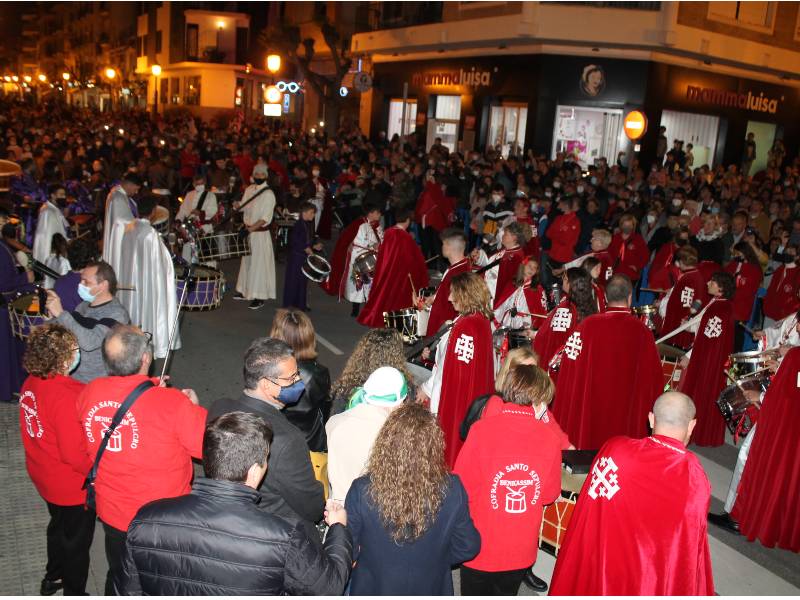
(149, 455)
(55, 449)
(510, 466)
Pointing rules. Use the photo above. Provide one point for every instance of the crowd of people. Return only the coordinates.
(529, 348)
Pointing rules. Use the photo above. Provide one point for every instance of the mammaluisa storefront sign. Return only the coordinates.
(472, 78)
(744, 101)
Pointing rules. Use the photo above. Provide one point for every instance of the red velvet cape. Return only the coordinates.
(399, 256)
(677, 308)
(782, 296)
(704, 378)
(708, 268)
(563, 234)
(769, 495)
(630, 256)
(464, 380)
(748, 279)
(434, 209)
(548, 339)
(663, 273)
(537, 303)
(441, 309)
(608, 387)
(606, 265)
(341, 252)
(506, 274)
(650, 537)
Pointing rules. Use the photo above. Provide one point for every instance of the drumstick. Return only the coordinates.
(653, 290)
(432, 258)
(413, 291)
(674, 332)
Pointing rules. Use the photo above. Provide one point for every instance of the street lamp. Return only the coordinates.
(272, 95)
(273, 63)
(65, 76)
(27, 78)
(156, 71)
(110, 74)
(42, 77)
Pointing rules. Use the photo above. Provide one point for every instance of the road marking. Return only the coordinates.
(329, 346)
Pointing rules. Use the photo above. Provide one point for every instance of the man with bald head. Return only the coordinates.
(149, 456)
(639, 527)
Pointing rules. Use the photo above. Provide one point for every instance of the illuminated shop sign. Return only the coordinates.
(472, 78)
(748, 101)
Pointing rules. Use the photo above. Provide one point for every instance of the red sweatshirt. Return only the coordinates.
(149, 457)
(510, 466)
(55, 448)
(563, 233)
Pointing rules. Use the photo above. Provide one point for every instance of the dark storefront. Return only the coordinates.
(577, 104)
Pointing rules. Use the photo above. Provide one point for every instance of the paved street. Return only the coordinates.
(210, 362)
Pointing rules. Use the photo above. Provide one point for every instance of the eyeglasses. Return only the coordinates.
(291, 378)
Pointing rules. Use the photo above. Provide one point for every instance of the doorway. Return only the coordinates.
(396, 118)
(507, 125)
(701, 131)
(764, 138)
(445, 124)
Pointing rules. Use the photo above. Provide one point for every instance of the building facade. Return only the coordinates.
(558, 76)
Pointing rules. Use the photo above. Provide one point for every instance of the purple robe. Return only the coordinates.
(67, 289)
(11, 348)
(295, 284)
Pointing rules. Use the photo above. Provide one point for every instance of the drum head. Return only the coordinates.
(316, 268)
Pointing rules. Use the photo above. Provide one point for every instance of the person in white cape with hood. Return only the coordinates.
(51, 221)
(120, 210)
(148, 268)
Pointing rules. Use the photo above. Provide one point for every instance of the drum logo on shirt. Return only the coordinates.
(605, 481)
(30, 413)
(520, 483)
(95, 426)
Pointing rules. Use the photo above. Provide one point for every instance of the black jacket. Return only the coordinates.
(216, 541)
(308, 414)
(289, 490)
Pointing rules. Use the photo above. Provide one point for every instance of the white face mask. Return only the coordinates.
(200, 188)
(676, 202)
(496, 197)
(556, 184)
(651, 219)
(580, 189)
(315, 173)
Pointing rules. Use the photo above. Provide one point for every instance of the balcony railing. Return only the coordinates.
(393, 15)
(651, 6)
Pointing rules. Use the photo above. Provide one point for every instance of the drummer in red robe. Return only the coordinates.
(685, 299)
(433, 213)
(783, 294)
(577, 304)
(500, 277)
(594, 268)
(522, 214)
(464, 366)
(629, 249)
(341, 251)
(454, 245)
(526, 308)
(601, 239)
(639, 527)
(768, 494)
(610, 373)
(704, 377)
(746, 269)
(399, 272)
(663, 271)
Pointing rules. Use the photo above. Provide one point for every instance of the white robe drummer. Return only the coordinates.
(118, 213)
(366, 239)
(50, 222)
(256, 280)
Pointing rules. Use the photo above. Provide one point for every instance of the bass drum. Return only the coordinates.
(739, 404)
(205, 288)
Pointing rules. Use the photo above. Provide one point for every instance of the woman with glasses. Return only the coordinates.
(56, 456)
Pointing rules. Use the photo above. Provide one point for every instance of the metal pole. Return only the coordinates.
(403, 118)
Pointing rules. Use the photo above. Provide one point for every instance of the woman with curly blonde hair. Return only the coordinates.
(376, 348)
(409, 517)
(56, 455)
(464, 365)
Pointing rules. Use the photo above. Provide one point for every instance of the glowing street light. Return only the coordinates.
(65, 76)
(27, 78)
(14, 78)
(156, 70)
(42, 77)
(272, 94)
(110, 73)
(273, 63)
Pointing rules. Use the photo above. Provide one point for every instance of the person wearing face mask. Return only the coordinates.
(199, 205)
(56, 456)
(629, 249)
(746, 269)
(51, 221)
(685, 298)
(496, 211)
(98, 312)
(149, 455)
(272, 382)
(675, 558)
(256, 281)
